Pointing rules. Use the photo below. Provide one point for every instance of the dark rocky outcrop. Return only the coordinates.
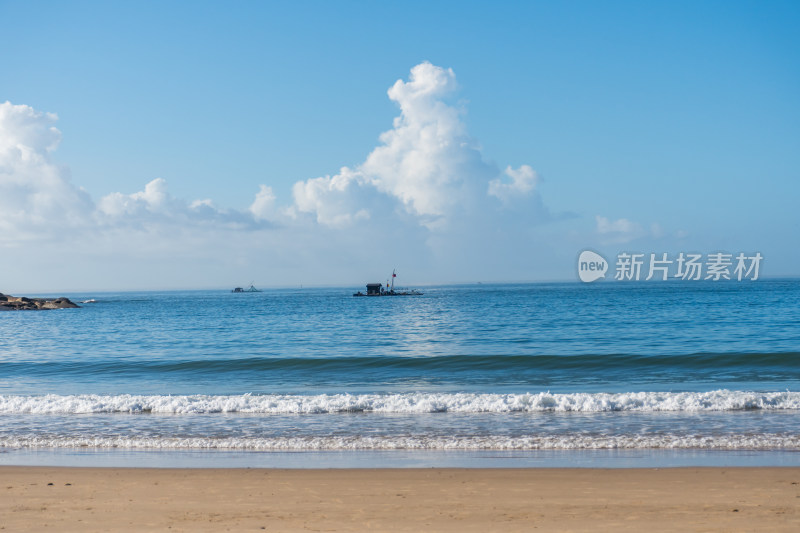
(21, 303)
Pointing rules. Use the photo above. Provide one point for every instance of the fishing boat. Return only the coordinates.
(377, 289)
(251, 288)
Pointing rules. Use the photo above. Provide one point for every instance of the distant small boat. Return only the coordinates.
(377, 289)
(89, 301)
(251, 288)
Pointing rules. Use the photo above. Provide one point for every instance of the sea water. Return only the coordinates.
(599, 374)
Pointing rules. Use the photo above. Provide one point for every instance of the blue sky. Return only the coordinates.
(650, 127)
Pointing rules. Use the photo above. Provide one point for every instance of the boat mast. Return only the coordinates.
(393, 276)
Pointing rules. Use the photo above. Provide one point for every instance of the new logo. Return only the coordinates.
(591, 266)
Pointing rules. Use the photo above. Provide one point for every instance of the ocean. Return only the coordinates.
(562, 374)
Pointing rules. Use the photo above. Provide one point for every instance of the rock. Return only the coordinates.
(58, 303)
(21, 303)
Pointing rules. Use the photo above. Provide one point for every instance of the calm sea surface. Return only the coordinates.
(492, 369)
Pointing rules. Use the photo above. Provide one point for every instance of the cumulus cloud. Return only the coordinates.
(427, 160)
(154, 206)
(153, 198)
(29, 132)
(39, 203)
(35, 194)
(263, 207)
(335, 201)
(427, 163)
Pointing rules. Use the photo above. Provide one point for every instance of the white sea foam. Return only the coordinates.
(415, 442)
(411, 403)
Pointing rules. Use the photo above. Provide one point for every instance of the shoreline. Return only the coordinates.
(412, 499)
(89, 457)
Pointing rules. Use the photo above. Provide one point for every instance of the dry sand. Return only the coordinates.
(460, 500)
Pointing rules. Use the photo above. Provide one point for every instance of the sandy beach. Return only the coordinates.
(672, 499)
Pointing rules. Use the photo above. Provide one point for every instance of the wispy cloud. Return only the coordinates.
(623, 231)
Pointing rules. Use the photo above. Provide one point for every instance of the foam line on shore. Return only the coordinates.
(417, 442)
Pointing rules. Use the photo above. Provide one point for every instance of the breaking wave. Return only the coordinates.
(410, 403)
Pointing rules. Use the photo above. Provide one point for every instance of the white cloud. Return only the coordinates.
(427, 160)
(29, 132)
(523, 181)
(263, 207)
(153, 198)
(36, 196)
(153, 209)
(622, 230)
(618, 231)
(336, 201)
(621, 225)
(427, 163)
(202, 204)
(38, 203)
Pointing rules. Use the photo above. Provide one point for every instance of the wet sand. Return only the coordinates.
(456, 500)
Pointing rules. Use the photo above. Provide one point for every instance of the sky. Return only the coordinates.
(192, 145)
